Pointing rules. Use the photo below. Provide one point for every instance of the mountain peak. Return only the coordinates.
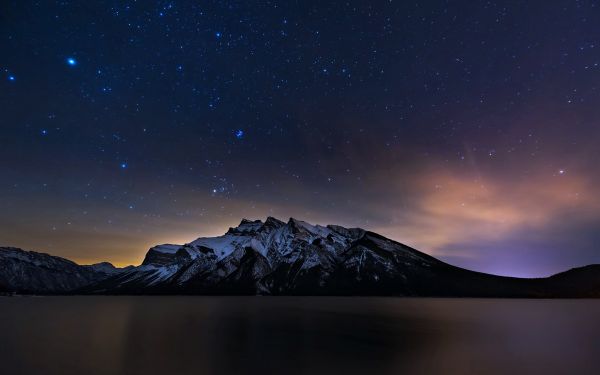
(299, 225)
(107, 265)
(293, 221)
(248, 221)
(104, 267)
(273, 222)
(246, 226)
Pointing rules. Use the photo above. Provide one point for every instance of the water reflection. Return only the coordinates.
(213, 335)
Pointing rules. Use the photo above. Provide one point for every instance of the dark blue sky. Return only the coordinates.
(469, 130)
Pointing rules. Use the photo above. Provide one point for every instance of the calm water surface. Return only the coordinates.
(290, 335)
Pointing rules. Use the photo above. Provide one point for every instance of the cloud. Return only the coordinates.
(449, 210)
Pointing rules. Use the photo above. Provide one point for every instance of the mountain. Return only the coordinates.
(30, 272)
(297, 258)
(290, 258)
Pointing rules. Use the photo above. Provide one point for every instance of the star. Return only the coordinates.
(123, 165)
(44, 132)
(11, 78)
(239, 134)
(218, 34)
(71, 61)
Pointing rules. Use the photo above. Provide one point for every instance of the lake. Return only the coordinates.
(297, 335)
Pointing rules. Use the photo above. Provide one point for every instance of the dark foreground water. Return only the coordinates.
(281, 335)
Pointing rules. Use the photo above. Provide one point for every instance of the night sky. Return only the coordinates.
(467, 129)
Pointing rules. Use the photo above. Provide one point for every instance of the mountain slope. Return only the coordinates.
(30, 272)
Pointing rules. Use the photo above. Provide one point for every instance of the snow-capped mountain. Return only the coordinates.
(273, 257)
(30, 272)
(296, 258)
(283, 258)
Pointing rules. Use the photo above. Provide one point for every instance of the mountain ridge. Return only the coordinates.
(27, 272)
(290, 258)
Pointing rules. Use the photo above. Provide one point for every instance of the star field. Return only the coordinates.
(468, 130)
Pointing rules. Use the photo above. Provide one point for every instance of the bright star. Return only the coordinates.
(71, 61)
(218, 34)
(44, 132)
(11, 78)
(239, 134)
(123, 165)
(562, 171)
